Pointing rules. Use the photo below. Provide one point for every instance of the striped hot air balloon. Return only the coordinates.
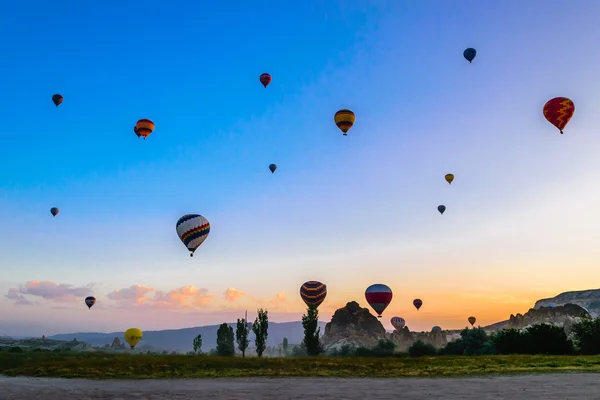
(379, 297)
(398, 323)
(192, 229)
(143, 128)
(558, 111)
(344, 119)
(313, 293)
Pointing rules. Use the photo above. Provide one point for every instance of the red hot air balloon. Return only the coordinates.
(417, 303)
(379, 297)
(265, 79)
(558, 111)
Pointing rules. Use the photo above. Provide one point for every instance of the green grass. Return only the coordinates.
(143, 366)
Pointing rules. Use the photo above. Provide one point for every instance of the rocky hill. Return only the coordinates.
(180, 340)
(354, 326)
(565, 316)
(587, 299)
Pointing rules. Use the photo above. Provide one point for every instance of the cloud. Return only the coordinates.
(48, 290)
(279, 299)
(232, 294)
(21, 300)
(185, 297)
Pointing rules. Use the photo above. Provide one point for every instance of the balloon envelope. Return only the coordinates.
(436, 329)
(469, 54)
(398, 323)
(379, 297)
(265, 79)
(90, 301)
(344, 119)
(272, 168)
(133, 336)
(559, 111)
(313, 293)
(192, 229)
(441, 209)
(143, 128)
(57, 99)
(472, 320)
(449, 178)
(54, 211)
(417, 303)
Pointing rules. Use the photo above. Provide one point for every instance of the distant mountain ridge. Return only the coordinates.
(586, 299)
(180, 340)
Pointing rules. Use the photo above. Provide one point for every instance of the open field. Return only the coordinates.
(524, 387)
(144, 366)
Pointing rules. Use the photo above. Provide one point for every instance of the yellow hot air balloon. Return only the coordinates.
(344, 119)
(133, 336)
(449, 178)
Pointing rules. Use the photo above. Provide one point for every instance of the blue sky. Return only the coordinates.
(349, 211)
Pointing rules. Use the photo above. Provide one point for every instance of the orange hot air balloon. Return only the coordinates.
(344, 119)
(143, 128)
(558, 111)
(265, 79)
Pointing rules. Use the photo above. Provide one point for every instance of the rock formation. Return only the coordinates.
(565, 316)
(117, 345)
(587, 299)
(404, 338)
(352, 325)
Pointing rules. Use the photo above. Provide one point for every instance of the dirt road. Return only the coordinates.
(557, 386)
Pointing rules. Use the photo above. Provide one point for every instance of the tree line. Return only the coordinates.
(227, 341)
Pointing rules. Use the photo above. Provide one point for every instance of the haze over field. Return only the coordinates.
(520, 223)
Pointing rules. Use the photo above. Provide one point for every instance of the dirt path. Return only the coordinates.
(556, 386)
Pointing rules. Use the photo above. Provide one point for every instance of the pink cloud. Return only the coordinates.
(185, 297)
(48, 290)
(21, 300)
(232, 294)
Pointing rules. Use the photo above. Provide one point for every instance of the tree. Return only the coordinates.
(198, 343)
(241, 335)
(512, 341)
(587, 336)
(261, 331)
(310, 323)
(420, 349)
(284, 346)
(225, 341)
(549, 339)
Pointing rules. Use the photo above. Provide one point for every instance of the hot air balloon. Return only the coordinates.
(379, 297)
(272, 168)
(469, 54)
(192, 229)
(441, 209)
(436, 329)
(90, 301)
(54, 211)
(265, 79)
(133, 336)
(398, 323)
(472, 320)
(449, 178)
(313, 293)
(143, 128)
(558, 111)
(57, 99)
(344, 119)
(417, 303)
